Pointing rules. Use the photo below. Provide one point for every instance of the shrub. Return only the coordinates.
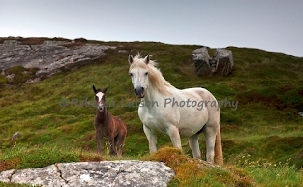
(31, 41)
(21, 74)
(2, 80)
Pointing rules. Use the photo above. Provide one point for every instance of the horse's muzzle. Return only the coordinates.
(139, 90)
(101, 108)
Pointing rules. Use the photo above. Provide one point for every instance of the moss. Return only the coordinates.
(194, 172)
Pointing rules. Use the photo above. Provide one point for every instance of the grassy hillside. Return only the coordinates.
(262, 132)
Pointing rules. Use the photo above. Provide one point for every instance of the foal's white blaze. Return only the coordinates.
(100, 96)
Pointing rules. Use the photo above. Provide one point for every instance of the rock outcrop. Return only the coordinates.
(49, 56)
(221, 63)
(105, 173)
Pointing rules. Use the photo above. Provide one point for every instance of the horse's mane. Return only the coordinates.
(154, 74)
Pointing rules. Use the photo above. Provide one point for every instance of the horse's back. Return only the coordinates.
(208, 101)
(119, 123)
(200, 91)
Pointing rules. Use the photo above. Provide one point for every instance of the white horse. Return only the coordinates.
(176, 112)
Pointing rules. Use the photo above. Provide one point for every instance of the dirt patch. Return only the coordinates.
(279, 97)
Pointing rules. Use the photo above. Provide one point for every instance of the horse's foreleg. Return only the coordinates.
(152, 139)
(173, 133)
(194, 145)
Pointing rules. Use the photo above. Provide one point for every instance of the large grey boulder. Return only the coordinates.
(201, 59)
(50, 56)
(105, 173)
(221, 63)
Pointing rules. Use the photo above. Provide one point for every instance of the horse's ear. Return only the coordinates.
(105, 89)
(146, 59)
(130, 59)
(94, 88)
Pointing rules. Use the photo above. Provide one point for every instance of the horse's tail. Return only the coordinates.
(218, 149)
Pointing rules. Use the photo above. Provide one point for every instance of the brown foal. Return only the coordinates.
(108, 126)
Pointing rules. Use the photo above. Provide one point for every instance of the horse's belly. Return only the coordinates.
(187, 126)
(192, 121)
(186, 130)
(154, 121)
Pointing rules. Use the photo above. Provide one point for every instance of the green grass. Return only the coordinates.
(2, 184)
(55, 116)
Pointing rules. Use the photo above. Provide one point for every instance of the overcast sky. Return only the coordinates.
(271, 25)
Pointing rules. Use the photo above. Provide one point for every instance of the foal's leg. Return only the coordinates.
(120, 130)
(210, 133)
(112, 148)
(173, 133)
(194, 145)
(120, 141)
(118, 144)
(152, 139)
(99, 141)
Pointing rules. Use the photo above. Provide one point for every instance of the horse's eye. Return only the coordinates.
(146, 73)
(130, 74)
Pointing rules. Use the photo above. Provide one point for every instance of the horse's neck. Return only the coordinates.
(102, 115)
(153, 95)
